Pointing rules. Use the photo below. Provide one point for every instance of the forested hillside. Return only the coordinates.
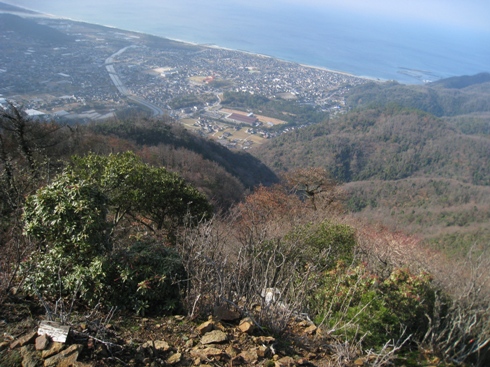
(408, 169)
(386, 144)
(447, 97)
(167, 135)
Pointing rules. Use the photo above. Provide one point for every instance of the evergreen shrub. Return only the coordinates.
(145, 278)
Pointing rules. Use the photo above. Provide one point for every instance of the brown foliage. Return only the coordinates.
(316, 186)
(458, 328)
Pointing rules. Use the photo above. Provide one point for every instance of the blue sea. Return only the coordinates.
(379, 48)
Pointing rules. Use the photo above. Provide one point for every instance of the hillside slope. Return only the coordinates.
(446, 97)
(152, 133)
(407, 169)
(385, 144)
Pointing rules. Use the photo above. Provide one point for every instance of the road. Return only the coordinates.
(156, 111)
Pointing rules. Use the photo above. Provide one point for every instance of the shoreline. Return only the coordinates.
(38, 14)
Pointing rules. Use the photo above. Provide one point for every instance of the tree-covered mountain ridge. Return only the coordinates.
(383, 143)
(446, 97)
(399, 143)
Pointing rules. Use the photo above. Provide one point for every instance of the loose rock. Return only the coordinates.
(42, 342)
(66, 358)
(249, 356)
(232, 351)
(205, 327)
(310, 330)
(206, 353)
(159, 345)
(215, 336)
(162, 345)
(26, 339)
(55, 348)
(286, 362)
(246, 325)
(174, 358)
(29, 356)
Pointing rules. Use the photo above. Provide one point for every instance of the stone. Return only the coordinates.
(23, 340)
(206, 352)
(219, 326)
(264, 339)
(212, 352)
(215, 336)
(310, 330)
(174, 358)
(225, 314)
(42, 342)
(246, 325)
(161, 345)
(232, 351)
(263, 351)
(158, 345)
(359, 362)
(286, 362)
(30, 358)
(205, 327)
(65, 358)
(249, 356)
(54, 348)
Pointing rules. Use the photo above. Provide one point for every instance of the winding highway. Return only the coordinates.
(109, 65)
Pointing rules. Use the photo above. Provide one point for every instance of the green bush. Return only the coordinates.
(356, 304)
(145, 278)
(73, 222)
(68, 219)
(324, 243)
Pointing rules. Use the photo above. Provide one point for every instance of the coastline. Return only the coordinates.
(38, 14)
(341, 46)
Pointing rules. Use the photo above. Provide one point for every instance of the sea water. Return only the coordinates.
(365, 46)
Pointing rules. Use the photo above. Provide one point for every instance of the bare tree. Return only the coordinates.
(316, 186)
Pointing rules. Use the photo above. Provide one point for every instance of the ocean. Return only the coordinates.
(379, 48)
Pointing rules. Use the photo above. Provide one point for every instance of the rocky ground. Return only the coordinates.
(116, 339)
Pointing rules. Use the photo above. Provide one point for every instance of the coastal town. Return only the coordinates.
(79, 72)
